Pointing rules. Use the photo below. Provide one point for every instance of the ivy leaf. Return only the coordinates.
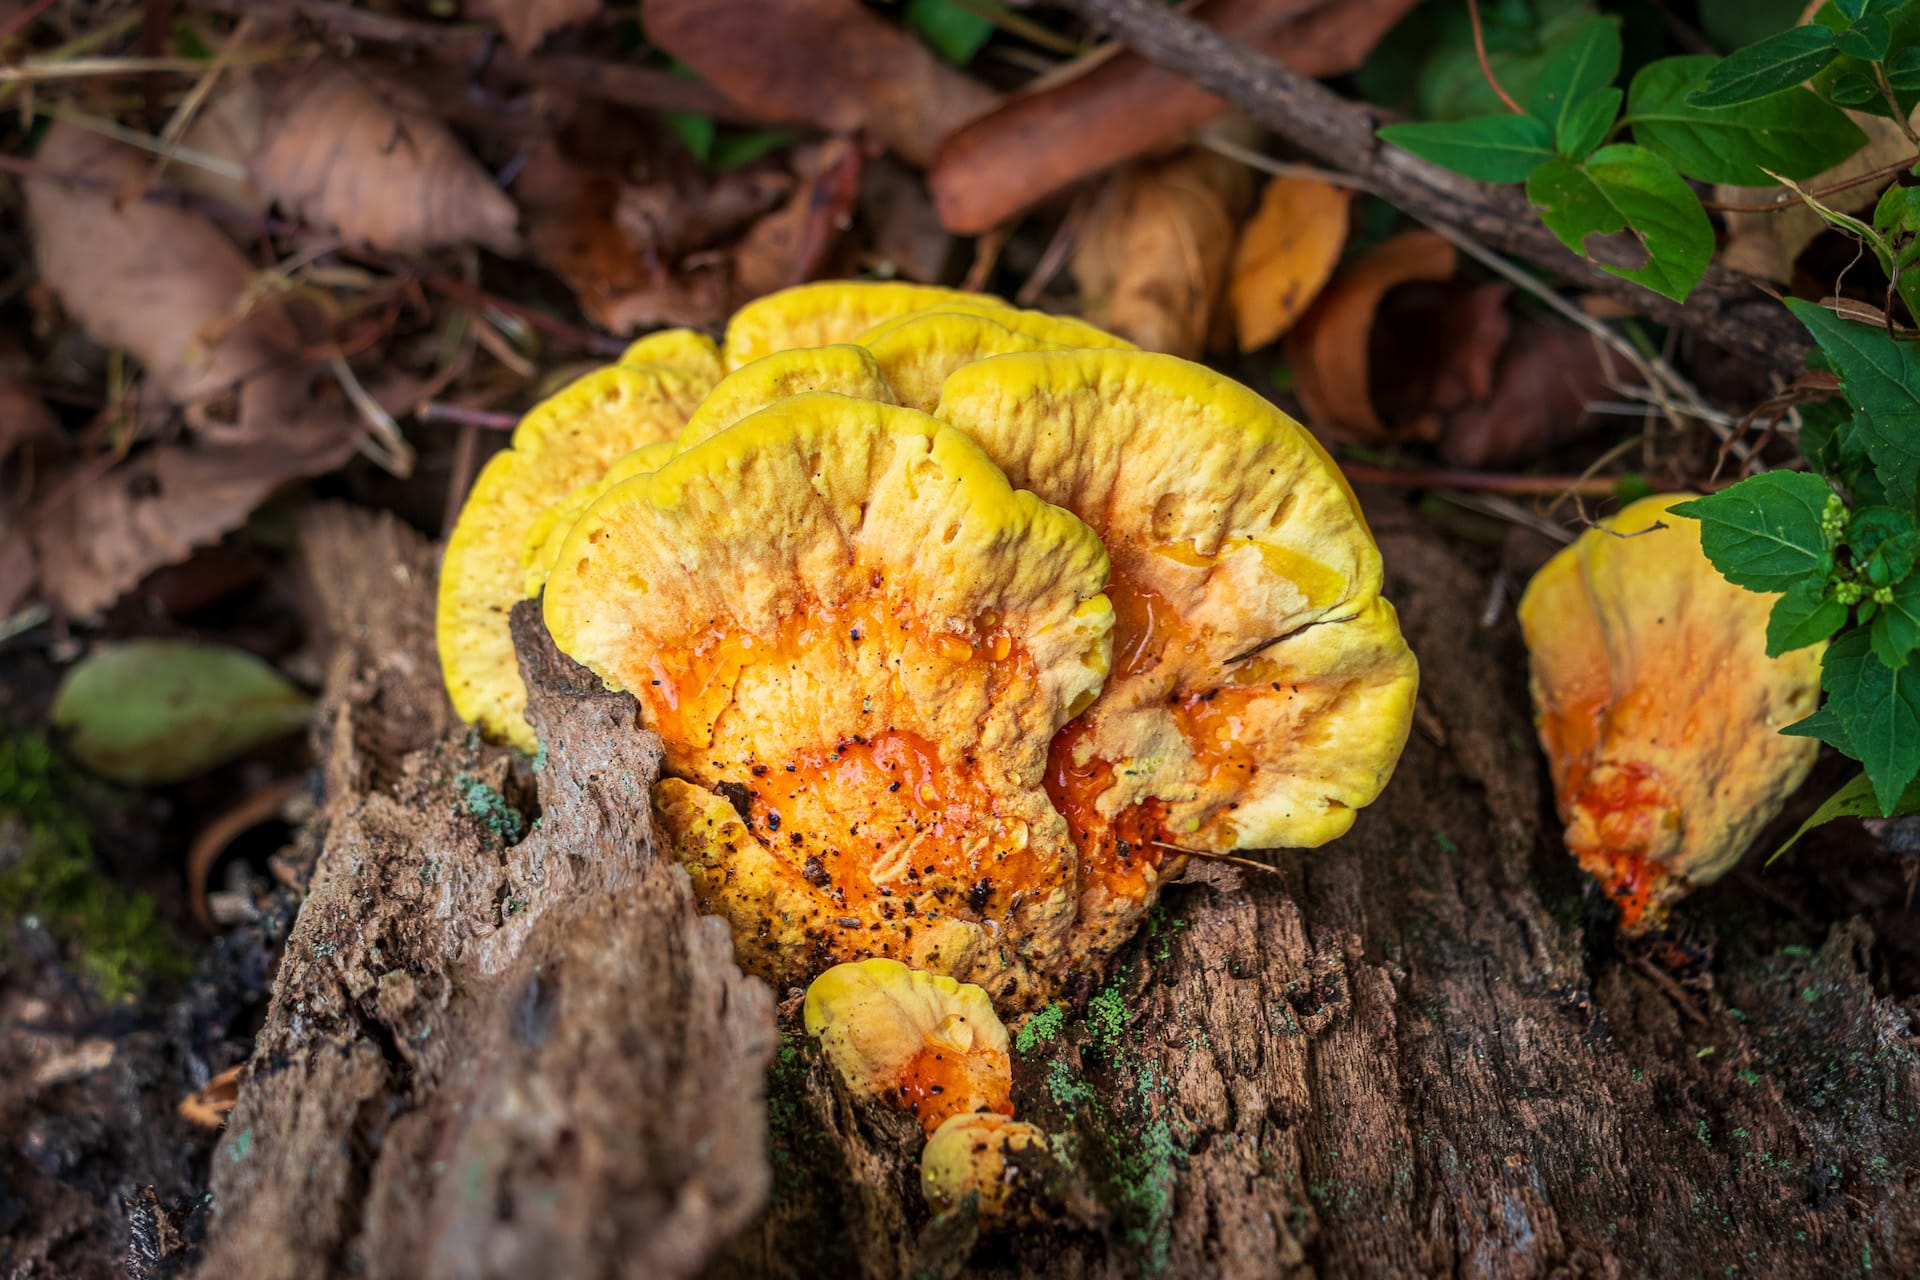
(1585, 124)
(1764, 533)
(1628, 188)
(1855, 800)
(1896, 628)
(1867, 38)
(954, 32)
(1791, 132)
(1804, 615)
(1776, 63)
(1584, 65)
(152, 711)
(1504, 148)
(1879, 708)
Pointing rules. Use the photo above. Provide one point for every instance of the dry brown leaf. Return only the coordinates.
(230, 127)
(1287, 252)
(1328, 349)
(833, 64)
(1110, 106)
(363, 157)
(1152, 258)
(24, 417)
(526, 23)
(162, 283)
(636, 253)
(1767, 244)
(1544, 379)
(788, 246)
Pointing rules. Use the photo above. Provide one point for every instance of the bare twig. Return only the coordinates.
(1486, 68)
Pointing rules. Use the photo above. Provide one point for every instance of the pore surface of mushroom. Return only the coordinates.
(856, 640)
(1658, 707)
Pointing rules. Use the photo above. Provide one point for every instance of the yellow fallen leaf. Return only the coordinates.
(1287, 252)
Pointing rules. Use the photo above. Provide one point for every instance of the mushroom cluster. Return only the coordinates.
(1659, 709)
(963, 625)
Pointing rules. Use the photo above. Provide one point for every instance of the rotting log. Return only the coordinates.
(1415, 1052)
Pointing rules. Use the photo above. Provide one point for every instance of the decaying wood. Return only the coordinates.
(1415, 1052)
(486, 1055)
(1726, 307)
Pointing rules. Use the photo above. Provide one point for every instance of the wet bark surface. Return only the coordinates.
(1419, 1051)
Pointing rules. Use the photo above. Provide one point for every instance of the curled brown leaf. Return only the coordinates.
(1287, 252)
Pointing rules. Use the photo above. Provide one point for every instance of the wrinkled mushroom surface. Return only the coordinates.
(977, 1155)
(1659, 709)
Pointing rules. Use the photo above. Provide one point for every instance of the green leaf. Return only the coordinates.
(1880, 711)
(1585, 64)
(1851, 10)
(1430, 54)
(1764, 533)
(1585, 124)
(1855, 800)
(735, 150)
(1490, 148)
(1867, 39)
(1892, 442)
(1804, 615)
(1904, 21)
(153, 711)
(1882, 378)
(953, 31)
(1896, 628)
(1884, 544)
(1733, 23)
(1791, 132)
(1628, 188)
(1903, 69)
(1776, 63)
(1853, 89)
(1826, 726)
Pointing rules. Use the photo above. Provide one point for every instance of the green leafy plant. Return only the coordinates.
(1841, 546)
(1608, 170)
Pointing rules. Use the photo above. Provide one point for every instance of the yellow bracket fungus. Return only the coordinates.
(1659, 709)
(817, 315)
(978, 1155)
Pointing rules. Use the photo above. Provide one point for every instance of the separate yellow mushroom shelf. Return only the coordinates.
(961, 688)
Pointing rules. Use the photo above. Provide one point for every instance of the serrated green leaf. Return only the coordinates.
(1892, 442)
(954, 32)
(1791, 132)
(1880, 711)
(1778, 62)
(1884, 544)
(1764, 533)
(1628, 188)
(1896, 628)
(1903, 68)
(1489, 148)
(1854, 800)
(1585, 64)
(1825, 726)
(1867, 38)
(1585, 125)
(153, 711)
(1804, 615)
(1881, 378)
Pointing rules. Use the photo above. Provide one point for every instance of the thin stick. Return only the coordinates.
(1248, 863)
(1486, 68)
(20, 21)
(488, 419)
(1787, 200)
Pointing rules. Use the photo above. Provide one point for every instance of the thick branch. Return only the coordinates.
(1725, 307)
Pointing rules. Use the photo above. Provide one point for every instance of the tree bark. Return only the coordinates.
(1415, 1052)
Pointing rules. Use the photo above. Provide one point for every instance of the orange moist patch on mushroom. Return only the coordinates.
(1261, 691)
(856, 640)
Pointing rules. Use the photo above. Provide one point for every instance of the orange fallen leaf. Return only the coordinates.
(366, 158)
(209, 1105)
(525, 23)
(833, 64)
(1152, 258)
(1328, 349)
(1287, 252)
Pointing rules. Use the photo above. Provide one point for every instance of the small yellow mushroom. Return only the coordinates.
(686, 350)
(920, 1041)
(977, 1155)
(1659, 709)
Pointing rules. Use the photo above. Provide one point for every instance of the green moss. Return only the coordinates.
(1107, 1019)
(488, 805)
(113, 937)
(1067, 1090)
(1041, 1028)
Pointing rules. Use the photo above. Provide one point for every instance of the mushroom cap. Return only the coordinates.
(916, 353)
(838, 367)
(816, 315)
(687, 350)
(565, 441)
(969, 1154)
(1658, 707)
(841, 617)
(1261, 690)
(1059, 331)
(550, 530)
(927, 1044)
